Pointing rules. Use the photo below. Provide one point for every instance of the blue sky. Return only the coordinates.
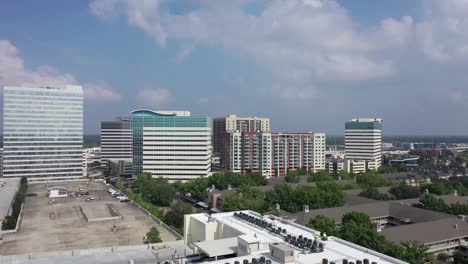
(308, 64)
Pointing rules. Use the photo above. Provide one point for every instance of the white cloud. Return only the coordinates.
(443, 33)
(307, 42)
(154, 97)
(183, 53)
(307, 39)
(294, 93)
(101, 92)
(456, 96)
(14, 72)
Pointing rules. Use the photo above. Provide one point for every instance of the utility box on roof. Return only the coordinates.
(282, 252)
(247, 244)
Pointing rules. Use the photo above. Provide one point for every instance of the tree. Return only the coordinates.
(404, 191)
(196, 188)
(458, 258)
(321, 176)
(373, 193)
(159, 191)
(9, 222)
(324, 224)
(292, 177)
(430, 202)
(246, 198)
(443, 257)
(152, 236)
(358, 218)
(438, 187)
(175, 217)
(415, 252)
(324, 195)
(372, 179)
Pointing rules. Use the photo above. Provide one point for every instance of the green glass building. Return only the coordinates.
(171, 144)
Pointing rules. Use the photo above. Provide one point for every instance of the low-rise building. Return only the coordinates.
(249, 237)
(401, 221)
(333, 164)
(120, 167)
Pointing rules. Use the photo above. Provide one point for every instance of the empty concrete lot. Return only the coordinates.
(68, 229)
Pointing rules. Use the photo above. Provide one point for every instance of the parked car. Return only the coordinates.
(124, 200)
(86, 193)
(88, 199)
(31, 194)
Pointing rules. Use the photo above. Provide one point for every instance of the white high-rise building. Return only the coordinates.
(363, 144)
(43, 132)
(116, 140)
(171, 144)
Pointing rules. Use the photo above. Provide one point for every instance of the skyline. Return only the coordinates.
(322, 62)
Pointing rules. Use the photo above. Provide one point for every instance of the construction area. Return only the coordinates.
(88, 217)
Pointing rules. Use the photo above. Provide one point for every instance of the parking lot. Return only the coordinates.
(53, 224)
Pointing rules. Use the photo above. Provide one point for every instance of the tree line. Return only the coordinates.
(358, 228)
(287, 197)
(9, 222)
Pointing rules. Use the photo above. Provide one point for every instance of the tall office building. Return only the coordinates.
(363, 144)
(273, 154)
(171, 144)
(116, 140)
(43, 132)
(233, 123)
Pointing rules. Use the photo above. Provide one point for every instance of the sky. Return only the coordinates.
(309, 65)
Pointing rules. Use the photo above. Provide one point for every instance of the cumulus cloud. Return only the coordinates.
(305, 41)
(154, 97)
(294, 93)
(183, 53)
(311, 38)
(14, 72)
(442, 33)
(101, 91)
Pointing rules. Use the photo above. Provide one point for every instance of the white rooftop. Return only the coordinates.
(335, 249)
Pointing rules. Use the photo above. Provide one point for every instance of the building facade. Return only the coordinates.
(233, 123)
(273, 154)
(172, 145)
(120, 167)
(116, 140)
(43, 132)
(363, 143)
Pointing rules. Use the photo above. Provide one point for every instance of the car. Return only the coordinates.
(86, 193)
(81, 189)
(82, 193)
(124, 200)
(92, 198)
(78, 195)
(31, 194)
(87, 199)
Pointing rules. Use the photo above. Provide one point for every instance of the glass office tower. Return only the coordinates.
(43, 132)
(171, 144)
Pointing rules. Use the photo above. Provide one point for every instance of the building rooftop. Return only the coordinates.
(429, 232)
(266, 231)
(8, 189)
